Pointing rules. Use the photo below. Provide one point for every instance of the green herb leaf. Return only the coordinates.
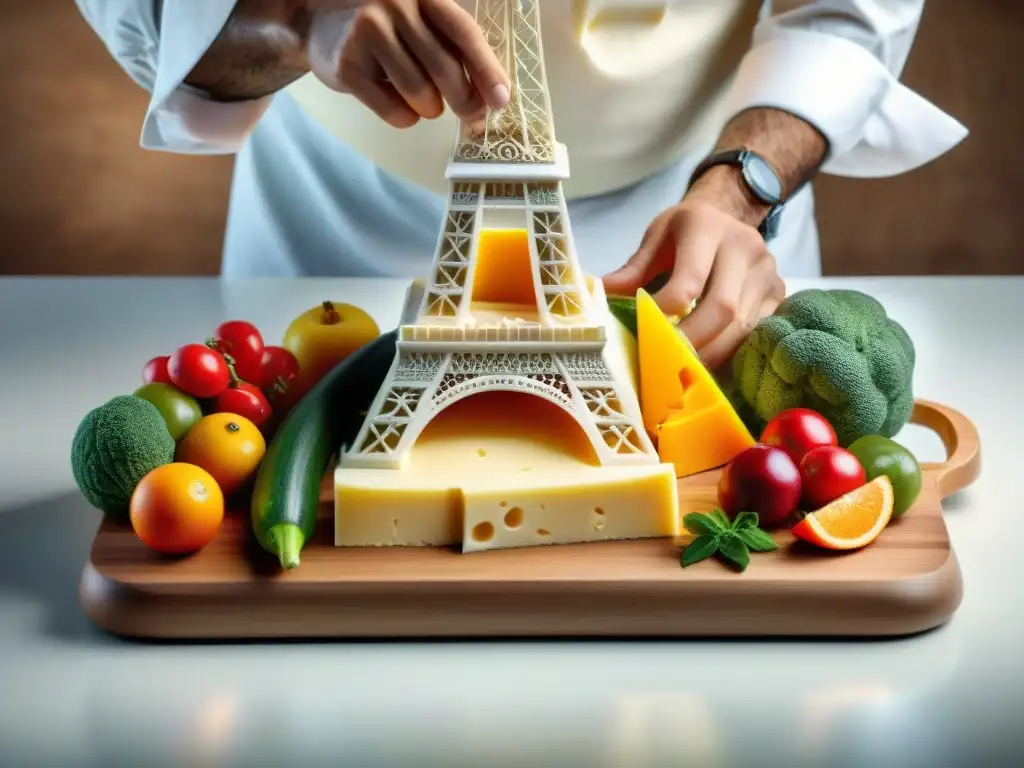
(745, 520)
(700, 523)
(757, 540)
(732, 548)
(720, 516)
(701, 548)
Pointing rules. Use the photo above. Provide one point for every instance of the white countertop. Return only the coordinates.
(71, 695)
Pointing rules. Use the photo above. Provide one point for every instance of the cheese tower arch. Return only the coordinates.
(507, 168)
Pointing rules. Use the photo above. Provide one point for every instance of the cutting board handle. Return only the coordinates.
(963, 446)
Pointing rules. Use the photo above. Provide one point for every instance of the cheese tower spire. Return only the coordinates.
(511, 160)
(469, 328)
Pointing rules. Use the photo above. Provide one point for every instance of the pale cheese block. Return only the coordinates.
(598, 508)
(482, 459)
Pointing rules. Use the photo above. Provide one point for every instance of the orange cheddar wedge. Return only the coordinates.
(684, 410)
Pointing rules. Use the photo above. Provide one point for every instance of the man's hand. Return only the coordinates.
(405, 59)
(710, 252)
(709, 247)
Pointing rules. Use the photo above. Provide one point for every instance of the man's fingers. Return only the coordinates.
(694, 249)
(763, 291)
(641, 266)
(485, 71)
(721, 350)
(719, 307)
(404, 72)
(722, 303)
(763, 288)
(382, 98)
(440, 60)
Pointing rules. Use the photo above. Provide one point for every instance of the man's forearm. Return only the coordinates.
(260, 50)
(794, 148)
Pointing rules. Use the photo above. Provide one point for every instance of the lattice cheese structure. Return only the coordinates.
(505, 171)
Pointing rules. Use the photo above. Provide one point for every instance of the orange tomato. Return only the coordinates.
(177, 509)
(228, 446)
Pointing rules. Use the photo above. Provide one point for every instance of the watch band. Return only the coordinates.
(758, 176)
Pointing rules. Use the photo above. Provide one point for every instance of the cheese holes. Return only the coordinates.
(543, 533)
(483, 532)
(686, 378)
(514, 518)
(599, 519)
(481, 452)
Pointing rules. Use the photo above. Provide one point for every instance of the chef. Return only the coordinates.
(694, 129)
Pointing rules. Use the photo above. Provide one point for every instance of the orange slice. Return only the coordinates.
(851, 521)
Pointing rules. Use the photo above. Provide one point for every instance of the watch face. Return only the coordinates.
(763, 180)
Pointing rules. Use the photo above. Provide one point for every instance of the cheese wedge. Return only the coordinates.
(503, 469)
(684, 410)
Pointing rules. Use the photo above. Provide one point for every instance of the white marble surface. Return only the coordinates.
(70, 695)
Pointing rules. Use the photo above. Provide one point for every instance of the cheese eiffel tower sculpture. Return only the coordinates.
(508, 171)
(522, 318)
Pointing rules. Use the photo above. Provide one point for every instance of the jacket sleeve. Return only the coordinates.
(836, 64)
(158, 42)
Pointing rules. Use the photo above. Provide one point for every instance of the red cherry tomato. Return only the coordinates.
(277, 366)
(828, 472)
(199, 371)
(243, 342)
(244, 399)
(797, 431)
(156, 371)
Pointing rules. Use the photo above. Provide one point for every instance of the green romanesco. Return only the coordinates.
(835, 351)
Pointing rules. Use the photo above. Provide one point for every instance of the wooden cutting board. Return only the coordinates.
(907, 581)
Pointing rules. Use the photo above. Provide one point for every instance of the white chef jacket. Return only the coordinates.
(303, 203)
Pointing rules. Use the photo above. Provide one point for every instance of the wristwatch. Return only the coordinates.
(760, 178)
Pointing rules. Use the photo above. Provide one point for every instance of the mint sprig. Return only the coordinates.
(732, 548)
(701, 548)
(732, 541)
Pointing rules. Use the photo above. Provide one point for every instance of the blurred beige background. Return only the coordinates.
(78, 196)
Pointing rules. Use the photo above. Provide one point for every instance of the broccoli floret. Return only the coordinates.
(835, 351)
(114, 446)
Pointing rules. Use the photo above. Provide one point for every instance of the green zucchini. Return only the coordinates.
(286, 493)
(623, 309)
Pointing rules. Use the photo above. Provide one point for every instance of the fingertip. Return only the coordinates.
(622, 281)
(617, 288)
(498, 96)
(403, 119)
(611, 277)
(431, 111)
(717, 354)
(672, 303)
